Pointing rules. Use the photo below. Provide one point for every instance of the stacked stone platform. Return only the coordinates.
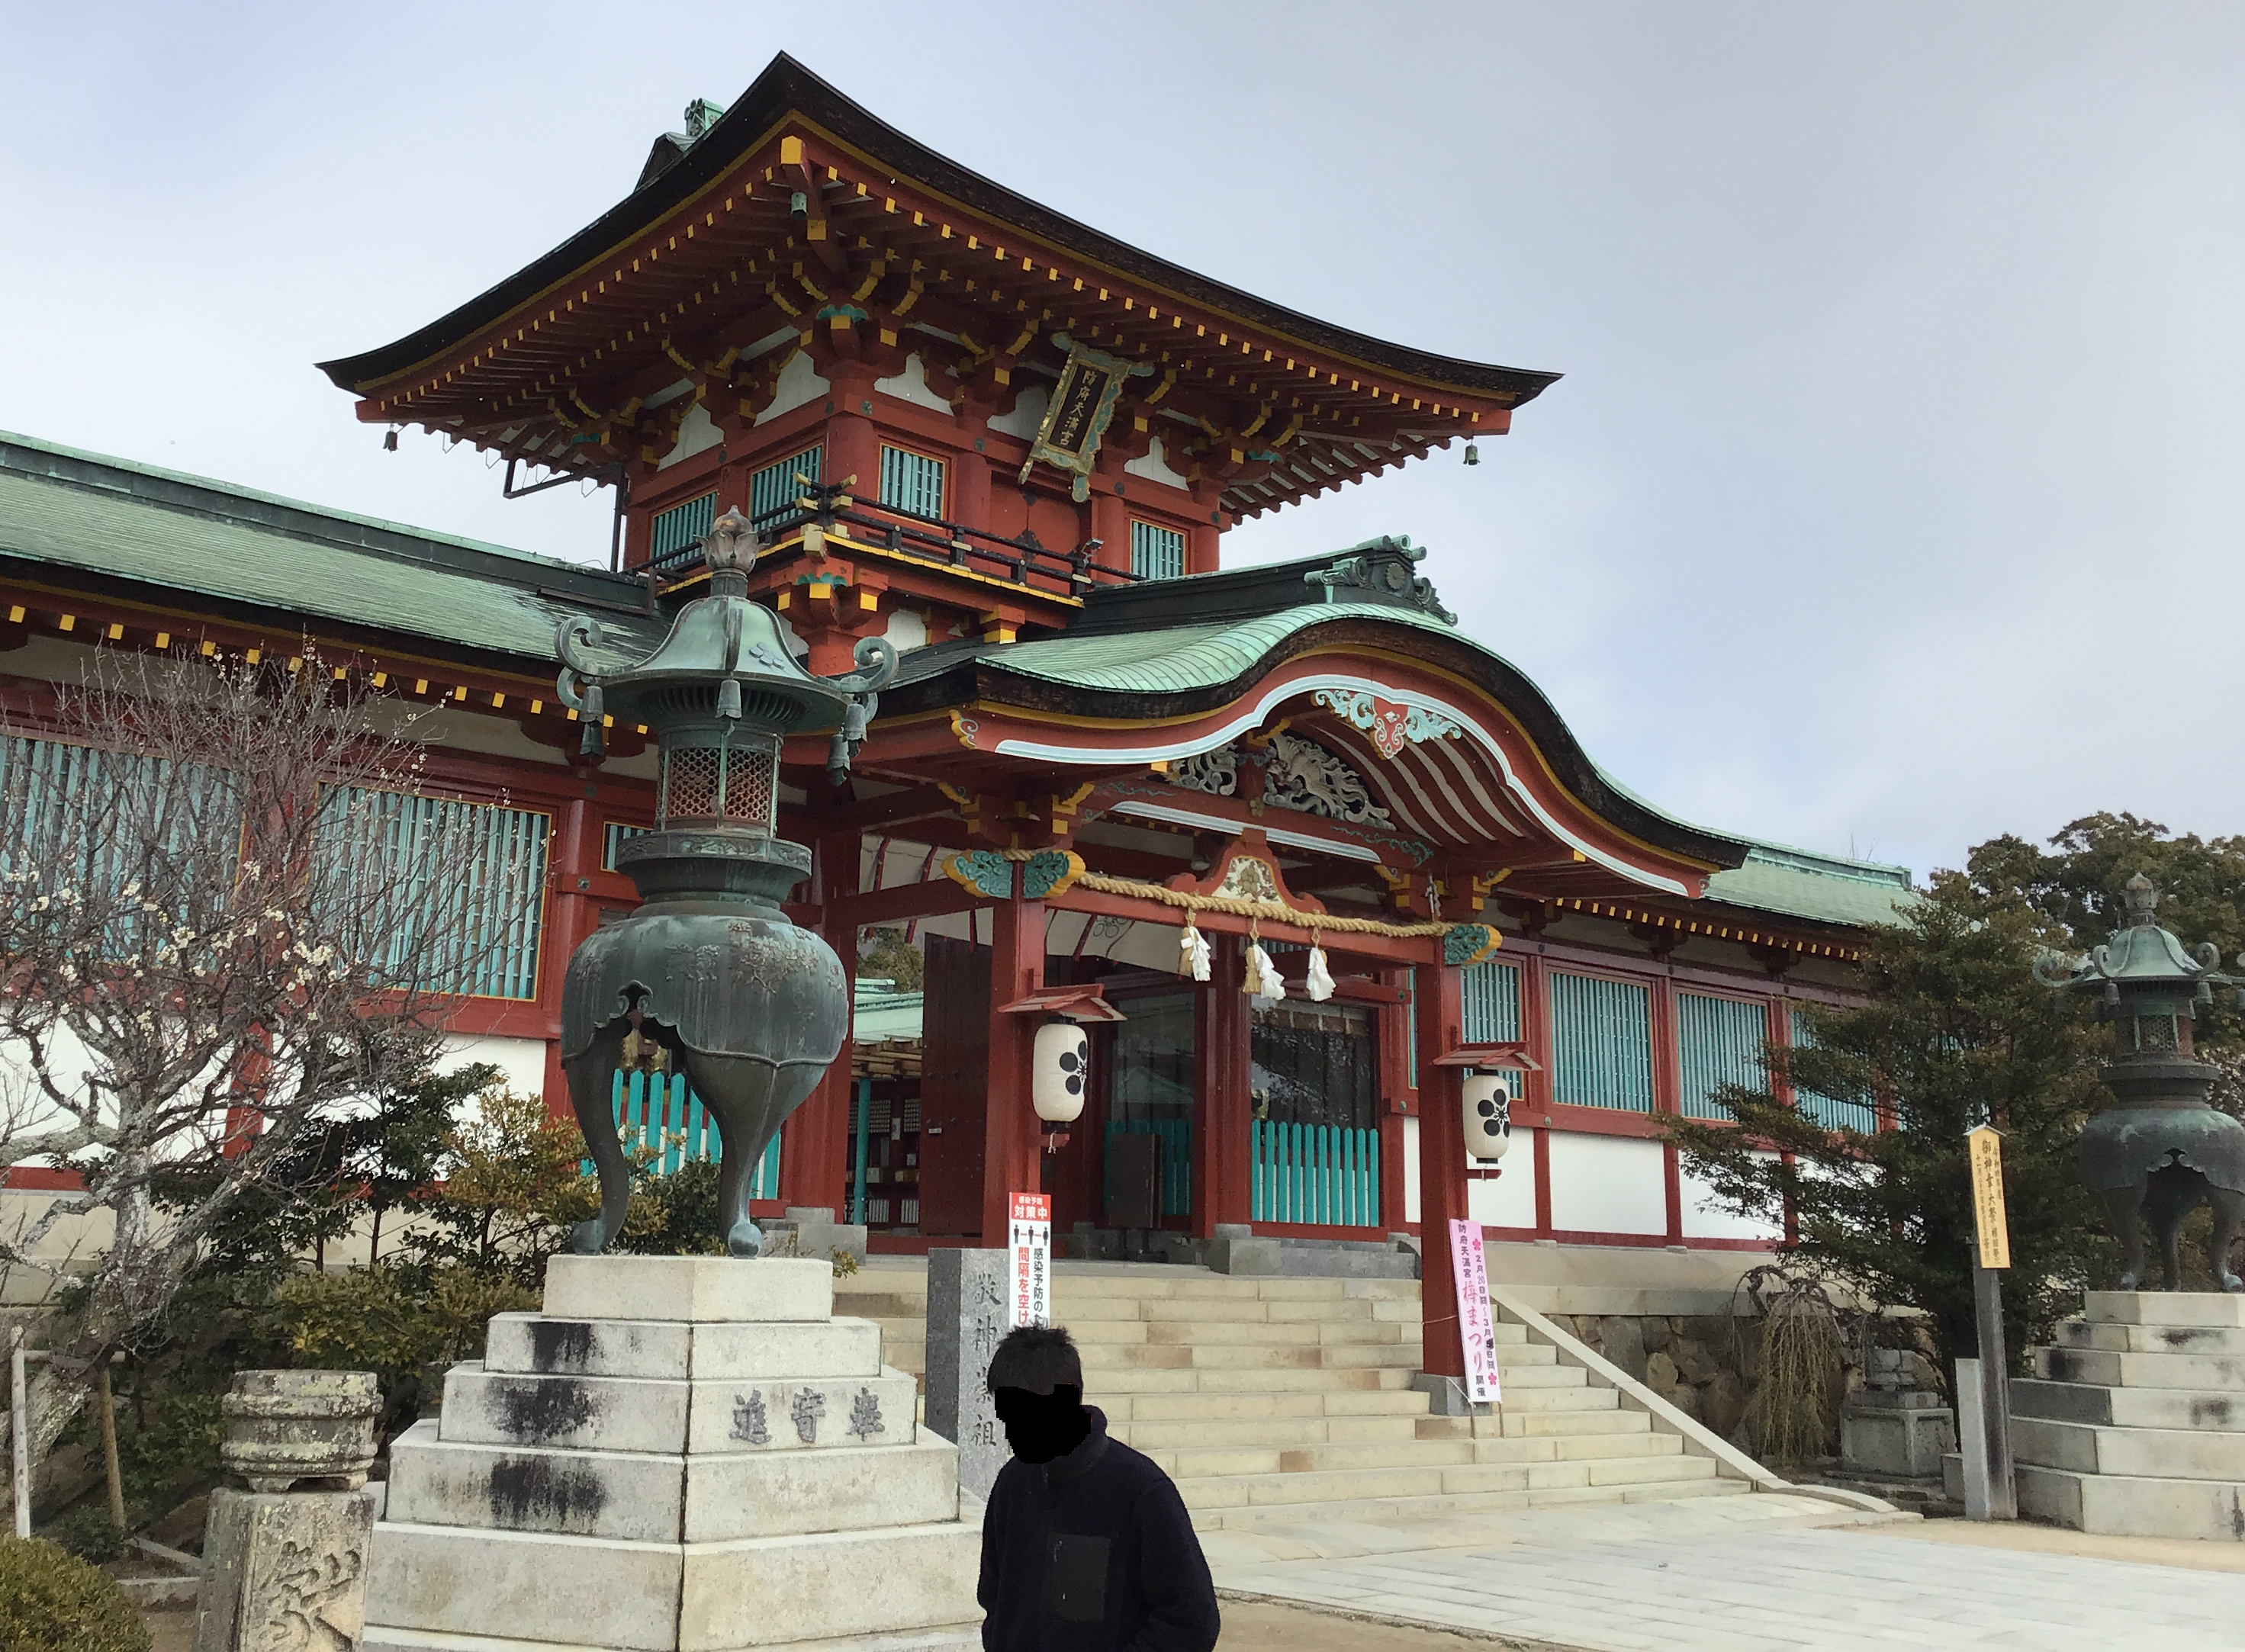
(2133, 1423)
(680, 1454)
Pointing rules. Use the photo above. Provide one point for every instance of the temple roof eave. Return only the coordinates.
(1137, 677)
(787, 88)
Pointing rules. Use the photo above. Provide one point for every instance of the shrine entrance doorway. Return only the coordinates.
(954, 1096)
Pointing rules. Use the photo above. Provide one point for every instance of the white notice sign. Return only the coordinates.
(1030, 1292)
(1476, 1324)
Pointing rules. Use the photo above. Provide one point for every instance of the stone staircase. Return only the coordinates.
(2134, 1421)
(1271, 1400)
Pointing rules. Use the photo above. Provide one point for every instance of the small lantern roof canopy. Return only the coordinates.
(2141, 957)
(727, 657)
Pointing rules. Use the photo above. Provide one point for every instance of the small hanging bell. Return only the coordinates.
(729, 698)
(1473, 454)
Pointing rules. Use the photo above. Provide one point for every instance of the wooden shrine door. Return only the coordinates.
(954, 1088)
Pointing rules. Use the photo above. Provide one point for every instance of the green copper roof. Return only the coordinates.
(1822, 888)
(87, 516)
(1188, 656)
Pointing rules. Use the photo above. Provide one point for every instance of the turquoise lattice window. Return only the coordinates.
(1718, 1042)
(485, 907)
(1601, 1042)
(679, 530)
(773, 489)
(1832, 1112)
(911, 482)
(1156, 552)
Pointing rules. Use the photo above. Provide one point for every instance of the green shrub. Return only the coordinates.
(87, 1533)
(56, 1602)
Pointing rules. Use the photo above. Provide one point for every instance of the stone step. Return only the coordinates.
(666, 1499)
(2134, 1505)
(1189, 1408)
(2165, 1308)
(1150, 1434)
(1354, 1484)
(1526, 1378)
(2117, 1337)
(2158, 1453)
(1324, 1378)
(1559, 1398)
(2105, 1369)
(881, 1305)
(1294, 1355)
(2127, 1407)
(1612, 1420)
(1278, 1516)
(652, 1597)
(1281, 1333)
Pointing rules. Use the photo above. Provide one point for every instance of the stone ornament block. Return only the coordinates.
(526, 1586)
(283, 1427)
(286, 1571)
(1909, 1442)
(966, 1318)
(767, 1289)
(795, 1413)
(2165, 1308)
(637, 1497)
(770, 1591)
(594, 1413)
(542, 1344)
(849, 1489)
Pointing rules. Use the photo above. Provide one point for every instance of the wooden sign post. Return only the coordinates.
(1991, 1478)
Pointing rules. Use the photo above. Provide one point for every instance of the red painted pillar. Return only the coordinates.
(814, 1142)
(852, 446)
(573, 913)
(1010, 1141)
(1440, 1016)
(1222, 1107)
(1396, 1100)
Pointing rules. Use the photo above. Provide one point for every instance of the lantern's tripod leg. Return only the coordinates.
(2124, 1209)
(592, 1085)
(2228, 1215)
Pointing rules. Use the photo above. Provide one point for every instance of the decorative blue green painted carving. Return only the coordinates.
(1048, 871)
(1468, 943)
(986, 872)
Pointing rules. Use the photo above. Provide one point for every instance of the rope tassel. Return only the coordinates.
(1192, 954)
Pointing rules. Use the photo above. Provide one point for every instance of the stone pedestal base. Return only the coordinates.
(2133, 1423)
(681, 1454)
(1904, 1435)
(287, 1570)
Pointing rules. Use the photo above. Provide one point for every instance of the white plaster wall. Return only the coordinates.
(1704, 1220)
(522, 1061)
(1028, 415)
(1155, 467)
(1411, 1170)
(800, 385)
(1607, 1184)
(911, 385)
(908, 630)
(1509, 1200)
(697, 433)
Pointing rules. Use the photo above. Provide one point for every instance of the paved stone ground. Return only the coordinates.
(1759, 1574)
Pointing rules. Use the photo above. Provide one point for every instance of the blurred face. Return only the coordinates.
(1042, 1427)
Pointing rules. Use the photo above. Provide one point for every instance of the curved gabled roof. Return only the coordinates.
(787, 88)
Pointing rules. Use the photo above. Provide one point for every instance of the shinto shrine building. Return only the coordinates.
(1012, 446)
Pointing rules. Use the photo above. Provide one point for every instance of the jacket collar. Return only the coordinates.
(1087, 1453)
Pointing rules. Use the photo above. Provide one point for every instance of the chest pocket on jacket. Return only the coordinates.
(1075, 1578)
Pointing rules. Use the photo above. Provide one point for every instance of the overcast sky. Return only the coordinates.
(1892, 498)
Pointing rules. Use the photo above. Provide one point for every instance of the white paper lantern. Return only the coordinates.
(1488, 1116)
(1060, 1068)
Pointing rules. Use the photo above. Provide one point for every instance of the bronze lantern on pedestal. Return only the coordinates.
(750, 1008)
(2160, 1149)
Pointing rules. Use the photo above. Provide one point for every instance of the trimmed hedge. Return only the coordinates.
(52, 1601)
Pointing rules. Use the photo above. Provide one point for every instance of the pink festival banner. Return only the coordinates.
(1476, 1323)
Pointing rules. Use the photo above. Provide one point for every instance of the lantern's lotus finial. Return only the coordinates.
(731, 545)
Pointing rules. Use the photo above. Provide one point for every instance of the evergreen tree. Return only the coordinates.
(1955, 1031)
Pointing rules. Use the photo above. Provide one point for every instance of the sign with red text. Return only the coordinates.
(1476, 1322)
(1029, 1259)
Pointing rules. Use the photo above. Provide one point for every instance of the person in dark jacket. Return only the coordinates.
(1086, 1545)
